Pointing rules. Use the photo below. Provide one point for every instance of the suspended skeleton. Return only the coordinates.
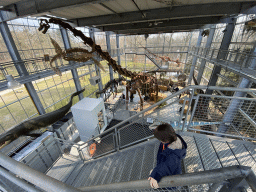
(137, 78)
(72, 54)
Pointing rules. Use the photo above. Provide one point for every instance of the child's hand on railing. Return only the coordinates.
(153, 183)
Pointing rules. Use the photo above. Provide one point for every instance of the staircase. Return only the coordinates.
(134, 163)
(131, 164)
(153, 60)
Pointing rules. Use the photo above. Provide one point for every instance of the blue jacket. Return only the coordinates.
(169, 161)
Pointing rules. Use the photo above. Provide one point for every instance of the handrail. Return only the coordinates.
(170, 97)
(49, 184)
(35, 177)
(19, 182)
(194, 49)
(188, 179)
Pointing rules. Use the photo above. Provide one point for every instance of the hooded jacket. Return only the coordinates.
(169, 159)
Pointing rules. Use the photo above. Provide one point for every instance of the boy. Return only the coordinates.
(170, 153)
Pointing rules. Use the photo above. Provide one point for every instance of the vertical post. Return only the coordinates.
(125, 54)
(118, 52)
(199, 40)
(65, 38)
(91, 33)
(222, 52)
(109, 51)
(207, 46)
(145, 66)
(163, 50)
(187, 52)
(19, 64)
(235, 103)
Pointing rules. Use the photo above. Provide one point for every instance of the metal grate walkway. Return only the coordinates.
(134, 163)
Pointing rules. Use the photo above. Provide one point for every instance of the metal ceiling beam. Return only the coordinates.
(32, 7)
(163, 24)
(199, 10)
(138, 8)
(108, 8)
(159, 30)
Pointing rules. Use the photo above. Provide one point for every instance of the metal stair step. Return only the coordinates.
(136, 164)
(128, 165)
(92, 174)
(84, 174)
(118, 165)
(102, 170)
(68, 171)
(74, 173)
(208, 156)
(148, 161)
(109, 173)
(119, 170)
(64, 164)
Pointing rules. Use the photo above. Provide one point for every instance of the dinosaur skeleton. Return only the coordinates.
(109, 85)
(165, 58)
(72, 54)
(143, 78)
(29, 127)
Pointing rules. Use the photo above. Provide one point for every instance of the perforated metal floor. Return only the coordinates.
(134, 163)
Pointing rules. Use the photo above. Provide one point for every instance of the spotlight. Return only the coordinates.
(12, 84)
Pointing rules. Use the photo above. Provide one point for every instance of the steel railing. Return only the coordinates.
(236, 61)
(135, 129)
(219, 177)
(198, 112)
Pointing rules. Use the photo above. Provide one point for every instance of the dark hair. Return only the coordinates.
(165, 133)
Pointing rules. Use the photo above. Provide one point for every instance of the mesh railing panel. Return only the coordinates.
(235, 116)
(104, 145)
(138, 127)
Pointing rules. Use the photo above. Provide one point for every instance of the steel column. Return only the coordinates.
(67, 45)
(187, 52)
(199, 40)
(97, 69)
(19, 64)
(234, 104)
(207, 46)
(109, 51)
(222, 54)
(118, 52)
(145, 65)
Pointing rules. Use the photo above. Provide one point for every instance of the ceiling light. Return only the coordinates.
(12, 84)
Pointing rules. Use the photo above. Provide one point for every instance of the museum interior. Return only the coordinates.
(85, 83)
